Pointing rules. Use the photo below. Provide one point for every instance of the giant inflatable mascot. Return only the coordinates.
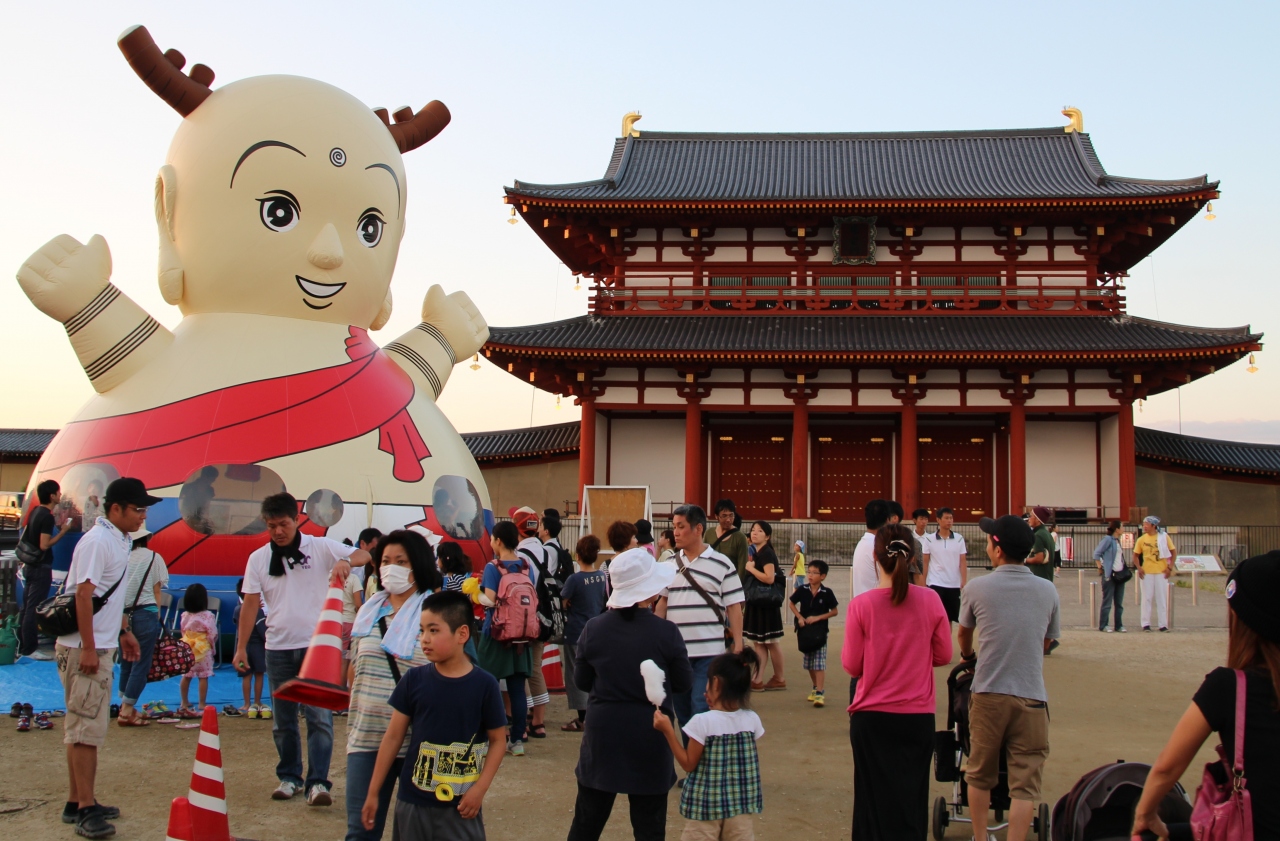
(280, 210)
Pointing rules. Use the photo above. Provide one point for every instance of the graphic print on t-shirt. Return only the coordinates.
(448, 770)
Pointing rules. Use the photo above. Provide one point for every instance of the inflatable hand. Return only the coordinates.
(64, 276)
(472, 588)
(458, 319)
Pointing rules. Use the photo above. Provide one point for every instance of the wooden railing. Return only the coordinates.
(654, 293)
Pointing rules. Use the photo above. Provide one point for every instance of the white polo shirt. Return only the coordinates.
(864, 577)
(944, 559)
(101, 556)
(294, 600)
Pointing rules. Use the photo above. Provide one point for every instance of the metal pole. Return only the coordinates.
(1169, 583)
(1080, 586)
(1195, 587)
(1093, 595)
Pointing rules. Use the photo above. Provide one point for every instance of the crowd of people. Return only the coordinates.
(664, 643)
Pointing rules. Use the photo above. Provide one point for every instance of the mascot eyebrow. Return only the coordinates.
(262, 144)
(394, 178)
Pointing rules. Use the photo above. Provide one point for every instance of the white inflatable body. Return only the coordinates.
(280, 211)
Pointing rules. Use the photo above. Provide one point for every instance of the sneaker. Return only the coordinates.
(813, 693)
(92, 823)
(71, 812)
(1162, 630)
(1108, 630)
(1122, 630)
(264, 711)
(819, 699)
(40, 656)
(285, 791)
(319, 795)
(24, 724)
(1146, 628)
(252, 712)
(515, 748)
(43, 722)
(231, 710)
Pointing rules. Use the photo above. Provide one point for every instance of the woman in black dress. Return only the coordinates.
(621, 752)
(762, 623)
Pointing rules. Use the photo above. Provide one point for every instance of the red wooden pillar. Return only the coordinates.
(1002, 470)
(693, 451)
(1017, 458)
(800, 460)
(1128, 461)
(587, 447)
(909, 462)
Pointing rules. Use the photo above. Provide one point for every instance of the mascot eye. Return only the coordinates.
(370, 229)
(279, 213)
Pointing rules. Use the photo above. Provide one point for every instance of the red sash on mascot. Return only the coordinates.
(256, 421)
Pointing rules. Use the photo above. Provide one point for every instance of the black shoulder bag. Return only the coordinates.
(56, 617)
(711, 603)
(128, 611)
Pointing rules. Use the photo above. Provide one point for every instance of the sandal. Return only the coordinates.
(16, 710)
(574, 726)
(188, 713)
(134, 720)
(538, 731)
(231, 710)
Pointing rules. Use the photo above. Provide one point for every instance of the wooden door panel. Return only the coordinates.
(955, 471)
(850, 468)
(752, 466)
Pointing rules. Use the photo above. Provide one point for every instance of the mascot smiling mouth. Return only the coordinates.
(318, 290)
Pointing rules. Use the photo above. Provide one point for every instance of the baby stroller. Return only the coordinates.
(1100, 805)
(951, 746)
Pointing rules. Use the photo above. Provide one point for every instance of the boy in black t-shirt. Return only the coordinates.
(458, 723)
(813, 605)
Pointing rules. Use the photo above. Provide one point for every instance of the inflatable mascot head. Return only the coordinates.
(292, 175)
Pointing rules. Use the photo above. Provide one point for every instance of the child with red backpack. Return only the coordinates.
(510, 625)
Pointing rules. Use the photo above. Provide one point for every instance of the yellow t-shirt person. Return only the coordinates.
(1147, 547)
(799, 568)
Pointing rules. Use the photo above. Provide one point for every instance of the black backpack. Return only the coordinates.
(551, 614)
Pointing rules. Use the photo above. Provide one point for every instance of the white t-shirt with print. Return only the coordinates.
(723, 723)
(294, 600)
(101, 556)
(944, 559)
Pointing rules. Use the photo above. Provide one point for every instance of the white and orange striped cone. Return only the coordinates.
(552, 668)
(208, 795)
(179, 821)
(319, 681)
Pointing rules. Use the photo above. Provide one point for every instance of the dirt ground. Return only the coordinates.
(1112, 697)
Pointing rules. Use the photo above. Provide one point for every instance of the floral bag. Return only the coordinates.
(1224, 810)
(172, 657)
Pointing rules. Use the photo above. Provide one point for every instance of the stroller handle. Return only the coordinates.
(959, 668)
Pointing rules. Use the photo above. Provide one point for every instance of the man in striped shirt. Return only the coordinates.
(701, 624)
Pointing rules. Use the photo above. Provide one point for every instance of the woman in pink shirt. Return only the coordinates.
(894, 636)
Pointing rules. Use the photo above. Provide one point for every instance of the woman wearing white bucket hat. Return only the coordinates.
(621, 752)
(146, 578)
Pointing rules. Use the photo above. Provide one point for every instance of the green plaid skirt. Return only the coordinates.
(726, 782)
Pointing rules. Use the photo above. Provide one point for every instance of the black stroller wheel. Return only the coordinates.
(1042, 823)
(940, 818)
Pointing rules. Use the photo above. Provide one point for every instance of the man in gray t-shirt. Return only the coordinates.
(1018, 613)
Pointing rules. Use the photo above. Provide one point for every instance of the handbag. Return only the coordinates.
(28, 554)
(56, 617)
(757, 592)
(810, 638)
(171, 657)
(1122, 575)
(1223, 810)
(128, 611)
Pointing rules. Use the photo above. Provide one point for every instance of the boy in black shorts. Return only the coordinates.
(813, 605)
(459, 733)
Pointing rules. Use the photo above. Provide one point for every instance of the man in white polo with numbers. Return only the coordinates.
(704, 599)
(291, 575)
(946, 563)
(99, 565)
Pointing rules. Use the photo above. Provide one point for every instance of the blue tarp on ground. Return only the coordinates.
(36, 683)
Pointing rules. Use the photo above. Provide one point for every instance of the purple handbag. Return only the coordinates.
(1224, 810)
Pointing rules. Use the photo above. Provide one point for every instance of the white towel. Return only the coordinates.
(402, 633)
(1162, 544)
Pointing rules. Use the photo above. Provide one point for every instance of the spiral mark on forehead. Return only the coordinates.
(337, 157)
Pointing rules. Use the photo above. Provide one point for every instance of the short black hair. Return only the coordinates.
(196, 598)
(240, 587)
(1113, 527)
(820, 566)
(920, 512)
(507, 534)
(876, 514)
(945, 510)
(368, 536)
(451, 606)
(551, 522)
(453, 561)
(45, 491)
(726, 505)
(693, 515)
(619, 535)
(896, 509)
(282, 504)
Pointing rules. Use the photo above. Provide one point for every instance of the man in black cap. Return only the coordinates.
(99, 565)
(1019, 614)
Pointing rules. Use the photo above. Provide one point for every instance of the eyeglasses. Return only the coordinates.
(139, 509)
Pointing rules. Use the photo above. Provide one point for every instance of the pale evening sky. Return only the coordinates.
(537, 92)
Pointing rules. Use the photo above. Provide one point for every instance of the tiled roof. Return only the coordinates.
(1044, 163)
(1207, 453)
(532, 442)
(25, 442)
(1015, 337)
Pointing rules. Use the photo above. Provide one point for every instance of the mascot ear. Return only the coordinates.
(384, 314)
(171, 280)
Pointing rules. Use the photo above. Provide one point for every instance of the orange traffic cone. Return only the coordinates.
(179, 821)
(319, 682)
(552, 669)
(208, 794)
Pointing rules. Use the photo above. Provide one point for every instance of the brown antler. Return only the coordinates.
(413, 130)
(162, 72)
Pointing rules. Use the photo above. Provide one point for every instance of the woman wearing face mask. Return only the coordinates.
(384, 639)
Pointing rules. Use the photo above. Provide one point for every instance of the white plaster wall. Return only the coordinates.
(1095, 397)
(1061, 464)
(616, 374)
(723, 375)
(645, 254)
(935, 377)
(1050, 397)
(940, 397)
(877, 375)
(985, 397)
(833, 397)
(1050, 376)
(936, 252)
(663, 395)
(644, 235)
(833, 375)
(984, 253)
(727, 254)
(765, 234)
(1092, 375)
(662, 375)
(1109, 430)
(772, 254)
(770, 375)
(984, 375)
(649, 452)
(825, 255)
(934, 233)
(618, 394)
(728, 235)
(725, 397)
(976, 233)
(770, 397)
(1035, 233)
(877, 397)
(1061, 233)
(1062, 253)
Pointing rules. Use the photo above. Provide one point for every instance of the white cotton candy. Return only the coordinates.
(653, 679)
